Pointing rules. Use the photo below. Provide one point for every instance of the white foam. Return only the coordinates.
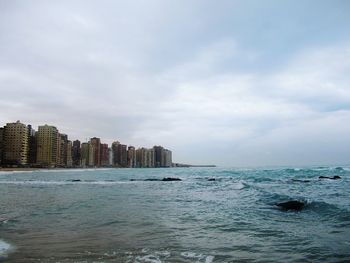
(191, 255)
(4, 248)
(238, 186)
(198, 257)
(147, 259)
(209, 259)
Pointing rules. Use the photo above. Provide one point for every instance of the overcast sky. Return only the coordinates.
(233, 83)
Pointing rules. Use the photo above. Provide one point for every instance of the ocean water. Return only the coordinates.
(106, 217)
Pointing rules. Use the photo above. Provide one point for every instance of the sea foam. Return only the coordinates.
(4, 248)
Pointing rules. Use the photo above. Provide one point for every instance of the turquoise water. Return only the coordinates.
(105, 217)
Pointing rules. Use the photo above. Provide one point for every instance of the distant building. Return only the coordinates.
(167, 158)
(115, 153)
(110, 156)
(32, 145)
(163, 157)
(69, 162)
(1, 144)
(96, 144)
(15, 144)
(104, 155)
(158, 151)
(62, 150)
(84, 154)
(92, 150)
(131, 157)
(76, 153)
(145, 158)
(47, 146)
(120, 154)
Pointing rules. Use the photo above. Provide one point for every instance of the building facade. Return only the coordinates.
(47, 146)
(15, 144)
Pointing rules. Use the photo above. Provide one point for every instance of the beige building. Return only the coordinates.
(47, 146)
(69, 154)
(15, 139)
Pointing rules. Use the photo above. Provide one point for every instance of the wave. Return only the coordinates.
(5, 248)
(197, 257)
(33, 182)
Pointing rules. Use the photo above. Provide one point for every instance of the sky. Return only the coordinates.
(231, 83)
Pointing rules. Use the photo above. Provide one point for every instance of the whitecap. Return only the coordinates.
(191, 255)
(147, 259)
(209, 259)
(4, 248)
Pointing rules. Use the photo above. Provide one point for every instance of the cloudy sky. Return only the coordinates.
(233, 83)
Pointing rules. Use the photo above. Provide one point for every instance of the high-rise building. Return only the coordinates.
(131, 157)
(62, 150)
(15, 144)
(104, 155)
(166, 158)
(32, 145)
(110, 156)
(47, 144)
(145, 158)
(96, 144)
(76, 153)
(91, 162)
(158, 151)
(115, 153)
(69, 162)
(1, 144)
(120, 154)
(84, 154)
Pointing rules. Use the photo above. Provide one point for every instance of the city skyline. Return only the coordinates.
(231, 83)
(23, 146)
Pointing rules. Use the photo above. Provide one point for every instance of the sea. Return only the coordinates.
(212, 215)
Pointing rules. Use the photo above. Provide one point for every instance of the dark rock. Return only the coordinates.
(168, 179)
(291, 205)
(336, 177)
(152, 179)
(76, 180)
(211, 179)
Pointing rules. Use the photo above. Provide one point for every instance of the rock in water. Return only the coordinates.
(211, 179)
(291, 205)
(335, 177)
(167, 179)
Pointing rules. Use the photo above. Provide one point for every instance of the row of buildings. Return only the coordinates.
(22, 146)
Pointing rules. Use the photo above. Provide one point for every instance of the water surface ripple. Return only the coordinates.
(101, 215)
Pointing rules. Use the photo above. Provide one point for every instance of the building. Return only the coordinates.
(69, 161)
(131, 157)
(62, 150)
(167, 158)
(96, 144)
(32, 145)
(145, 158)
(158, 151)
(84, 154)
(91, 160)
(120, 154)
(1, 144)
(76, 153)
(15, 144)
(47, 146)
(104, 155)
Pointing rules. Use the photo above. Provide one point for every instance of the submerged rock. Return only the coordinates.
(152, 179)
(291, 205)
(211, 179)
(335, 177)
(167, 179)
(76, 180)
